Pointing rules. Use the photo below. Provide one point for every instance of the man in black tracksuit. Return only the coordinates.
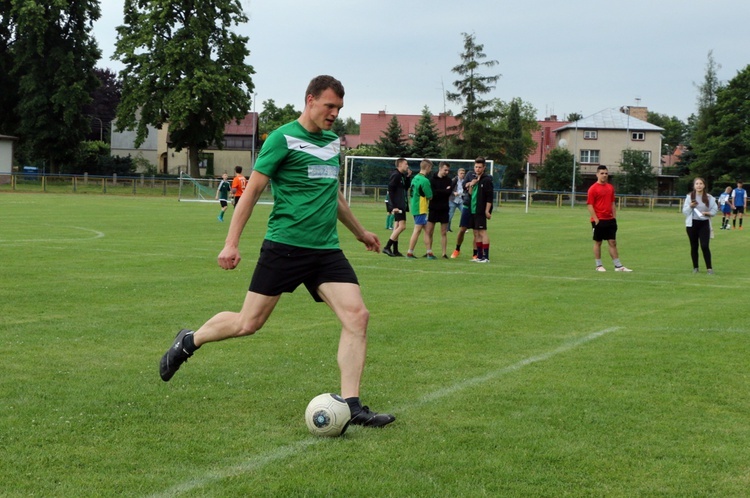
(398, 188)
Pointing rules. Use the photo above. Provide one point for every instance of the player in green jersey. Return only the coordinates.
(301, 161)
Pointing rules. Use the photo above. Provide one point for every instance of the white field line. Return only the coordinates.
(95, 235)
(295, 448)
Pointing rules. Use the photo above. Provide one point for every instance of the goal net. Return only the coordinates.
(364, 170)
(204, 190)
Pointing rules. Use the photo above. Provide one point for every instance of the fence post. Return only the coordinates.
(75, 183)
(104, 185)
(165, 188)
(134, 184)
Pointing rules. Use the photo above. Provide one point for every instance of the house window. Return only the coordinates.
(589, 157)
(638, 136)
(645, 154)
(590, 135)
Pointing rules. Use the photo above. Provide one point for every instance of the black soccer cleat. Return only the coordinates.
(368, 418)
(388, 252)
(174, 357)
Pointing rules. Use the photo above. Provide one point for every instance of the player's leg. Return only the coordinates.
(429, 232)
(255, 311)
(345, 299)
(444, 238)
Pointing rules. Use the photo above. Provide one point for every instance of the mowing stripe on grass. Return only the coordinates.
(295, 448)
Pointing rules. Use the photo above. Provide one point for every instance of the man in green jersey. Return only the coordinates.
(222, 194)
(301, 246)
(421, 193)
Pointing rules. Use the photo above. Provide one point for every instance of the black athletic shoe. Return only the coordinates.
(398, 254)
(368, 418)
(174, 357)
(388, 252)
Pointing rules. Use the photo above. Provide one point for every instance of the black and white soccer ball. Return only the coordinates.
(327, 415)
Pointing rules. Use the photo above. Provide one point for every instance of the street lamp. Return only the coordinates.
(101, 128)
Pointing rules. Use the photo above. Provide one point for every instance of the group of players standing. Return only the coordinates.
(430, 199)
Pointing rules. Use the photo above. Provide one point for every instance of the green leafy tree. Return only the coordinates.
(675, 130)
(8, 83)
(348, 127)
(426, 142)
(392, 142)
(476, 112)
(272, 116)
(574, 116)
(724, 151)
(184, 67)
(104, 101)
(54, 55)
(557, 171)
(638, 176)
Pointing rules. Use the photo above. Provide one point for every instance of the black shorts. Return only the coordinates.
(604, 230)
(465, 217)
(400, 216)
(739, 209)
(281, 268)
(438, 216)
(223, 203)
(478, 221)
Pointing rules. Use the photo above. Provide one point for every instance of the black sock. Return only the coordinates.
(389, 244)
(189, 343)
(395, 246)
(354, 405)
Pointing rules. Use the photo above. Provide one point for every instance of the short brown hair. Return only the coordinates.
(321, 83)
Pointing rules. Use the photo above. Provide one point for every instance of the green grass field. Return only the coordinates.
(530, 376)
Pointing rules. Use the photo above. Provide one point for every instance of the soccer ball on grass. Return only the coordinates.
(327, 415)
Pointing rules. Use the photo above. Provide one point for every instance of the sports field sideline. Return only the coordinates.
(529, 376)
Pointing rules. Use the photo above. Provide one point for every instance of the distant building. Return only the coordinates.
(603, 137)
(239, 144)
(545, 140)
(372, 126)
(7, 146)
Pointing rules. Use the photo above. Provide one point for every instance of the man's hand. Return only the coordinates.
(229, 257)
(371, 241)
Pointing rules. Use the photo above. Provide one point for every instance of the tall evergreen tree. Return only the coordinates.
(516, 151)
(183, 67)
(426, 141)
(705, 117)
(476, 111)
(392, 142)
(54, 57)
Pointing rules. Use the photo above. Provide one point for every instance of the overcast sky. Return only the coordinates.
(562, 57)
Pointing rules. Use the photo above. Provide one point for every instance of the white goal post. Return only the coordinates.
(390, 164)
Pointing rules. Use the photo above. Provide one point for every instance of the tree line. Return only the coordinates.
(188, 70)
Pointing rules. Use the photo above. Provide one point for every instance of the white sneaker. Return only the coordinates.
(622, 268)
(600, 268)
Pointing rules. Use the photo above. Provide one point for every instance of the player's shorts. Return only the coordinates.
(438, 216)
(223, 203)
(726, 208)
(604, 230)
(281, 268)
(739, 209)
(420, 219)
(235, 200)
(400, 216)
(465, 217)
(478, 221)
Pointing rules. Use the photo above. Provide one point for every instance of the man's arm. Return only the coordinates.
(591, 212)
(229, 257)
(346, 216)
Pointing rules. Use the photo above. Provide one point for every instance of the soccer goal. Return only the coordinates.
(197, 189)
(204, 190)
(376, 170)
